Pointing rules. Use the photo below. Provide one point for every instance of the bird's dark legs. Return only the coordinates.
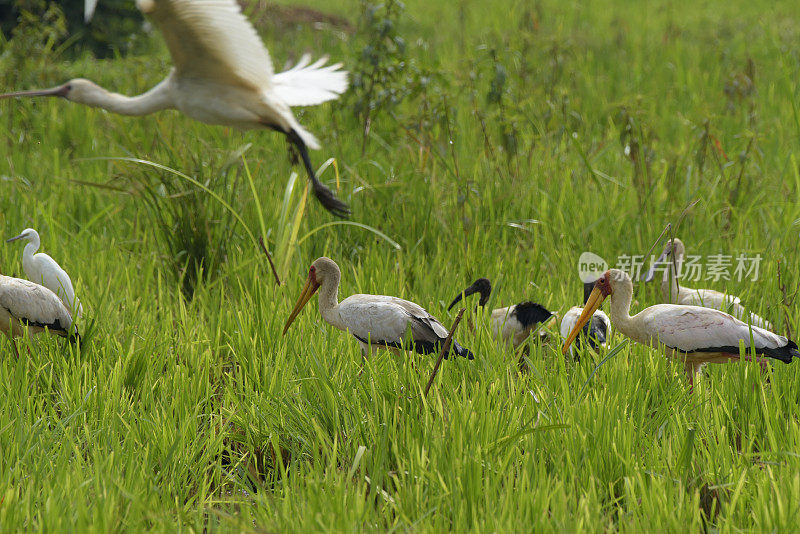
(691, 371)
(326, 197)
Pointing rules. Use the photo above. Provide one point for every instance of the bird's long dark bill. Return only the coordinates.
(467, 292)
(308, 291)
(595, 301)
(14, 238)
(651, 273)
(54, 91)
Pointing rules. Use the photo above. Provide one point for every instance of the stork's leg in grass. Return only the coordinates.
(366, 351)
(13, 343)
(762, 362)
(523, 353)
(692, 369)
(326, 197)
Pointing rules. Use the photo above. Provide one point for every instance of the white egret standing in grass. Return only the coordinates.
(512, 323)
(707, 298)
(24, 304)
(692, 334)
(376, 321)
(222, 75)
(42, 269)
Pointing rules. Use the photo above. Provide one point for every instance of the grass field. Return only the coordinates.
(499, 150)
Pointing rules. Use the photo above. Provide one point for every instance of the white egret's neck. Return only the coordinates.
(329, 299)
(156, 99)
(33, 242)
(27, 256)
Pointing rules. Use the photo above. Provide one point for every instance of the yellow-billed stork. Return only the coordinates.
(693, 334)
(510, 324)
(595, 331)
(708, 298)
(376, 321)
(24, 304)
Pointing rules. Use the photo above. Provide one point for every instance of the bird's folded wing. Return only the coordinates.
(35, 305)
(373, 319)
(211, 39)
(690, 328)
(381, 318)
(424, 324)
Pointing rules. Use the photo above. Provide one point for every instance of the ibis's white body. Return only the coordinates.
(510, 324)
(507, 327)
(598, 321)
(44, 270)
(24, 304)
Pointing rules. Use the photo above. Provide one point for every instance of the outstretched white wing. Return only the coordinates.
(309, 85)
(211, 40)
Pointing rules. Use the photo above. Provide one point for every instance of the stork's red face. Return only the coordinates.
(604, 284)
(311, 287)
(602, 289)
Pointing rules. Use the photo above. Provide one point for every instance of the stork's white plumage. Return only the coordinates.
(222, 75)
(511, 324)
(376, 321)
(24, 304)
(595, 331)
(44, 270)
(693, 334)
(707, 298)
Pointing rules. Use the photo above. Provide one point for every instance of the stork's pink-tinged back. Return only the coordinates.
(694, 334)
(376, 321)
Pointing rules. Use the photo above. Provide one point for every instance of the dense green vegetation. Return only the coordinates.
(497, 147)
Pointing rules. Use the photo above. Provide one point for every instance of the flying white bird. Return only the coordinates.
(692, 334)
(42, 269)
(376, 321)
(707, 298)
(222, 75)
(510, 324)
(595, 331)
(24, 304)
